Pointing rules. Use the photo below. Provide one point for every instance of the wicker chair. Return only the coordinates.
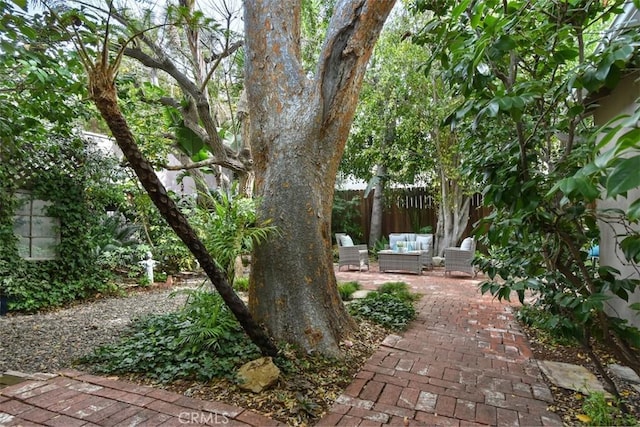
(460, 259)
(427, 252)
(351, 255)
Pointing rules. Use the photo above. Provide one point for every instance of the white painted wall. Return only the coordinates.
(168, 178)
(621, 100)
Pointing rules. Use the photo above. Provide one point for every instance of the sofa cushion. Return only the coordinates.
(424, 241)
(346, 240)
(394, 238)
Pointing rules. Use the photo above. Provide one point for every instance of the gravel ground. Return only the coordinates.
(52, 341)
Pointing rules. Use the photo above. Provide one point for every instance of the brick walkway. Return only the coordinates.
(462, 362)
(76, 399)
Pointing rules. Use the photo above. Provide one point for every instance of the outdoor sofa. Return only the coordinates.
(409, 242)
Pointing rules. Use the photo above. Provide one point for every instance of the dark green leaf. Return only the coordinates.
(505, 44)
(633, 211)
(630, 246)
(624, 176)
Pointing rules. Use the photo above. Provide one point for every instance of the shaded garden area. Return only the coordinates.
(226, 147)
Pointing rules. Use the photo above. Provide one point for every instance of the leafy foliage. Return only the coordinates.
(241, 284)
(347, 289)
(523, 71)
(387, 309)
(601, 411)
(345, 217)
(67, 174)
(231, 229)
(400, 290)
(40, 80)
(202, 341)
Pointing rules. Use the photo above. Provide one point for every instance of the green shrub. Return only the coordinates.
(386, 309)
(603, 412)
(241, 284)
(347, 289)
(201, 342)
(78, 184)
(546, 324)
(400, 290)
(380, 245)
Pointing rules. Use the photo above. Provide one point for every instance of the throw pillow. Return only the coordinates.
(424, 242)
(394, 239)
(346, 240)
(466, 244)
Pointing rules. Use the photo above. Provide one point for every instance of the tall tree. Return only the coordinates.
(398, 127)
(299, 126)
(102, 61)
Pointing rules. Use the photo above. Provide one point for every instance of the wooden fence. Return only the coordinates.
(406, 210)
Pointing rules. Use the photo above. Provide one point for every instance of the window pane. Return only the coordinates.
(44, 226)
(23, 247)
(43, 247)
(40, 207)
(21, 226)
(24, 204)
(38, 234)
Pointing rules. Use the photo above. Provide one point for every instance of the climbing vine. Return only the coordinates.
(77, 184)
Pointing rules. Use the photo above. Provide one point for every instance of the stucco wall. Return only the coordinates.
(168, 178)
(621, 100)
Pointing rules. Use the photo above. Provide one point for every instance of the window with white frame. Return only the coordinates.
(38, 233)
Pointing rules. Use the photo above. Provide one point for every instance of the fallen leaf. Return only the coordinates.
(583, 418)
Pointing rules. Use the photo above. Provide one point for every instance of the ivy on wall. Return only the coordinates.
(77, 183)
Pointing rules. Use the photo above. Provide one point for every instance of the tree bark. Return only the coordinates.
(103, 93)
(453, 215)
(298, 130)
(375, 231)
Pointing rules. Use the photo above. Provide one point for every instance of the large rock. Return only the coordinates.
(571, 377)
(258, 374)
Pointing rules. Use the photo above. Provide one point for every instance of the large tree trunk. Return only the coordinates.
(103, 93)
(299, 127)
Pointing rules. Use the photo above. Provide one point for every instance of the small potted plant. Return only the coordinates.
(401, 247)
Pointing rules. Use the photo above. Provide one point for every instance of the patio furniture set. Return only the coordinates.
(408, 252)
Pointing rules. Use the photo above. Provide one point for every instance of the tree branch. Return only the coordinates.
(164, 63)
(352, 29)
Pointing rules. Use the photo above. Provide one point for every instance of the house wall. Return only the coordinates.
(169, 179)
(621, 100)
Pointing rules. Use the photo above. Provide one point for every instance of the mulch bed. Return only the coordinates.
(568, 403)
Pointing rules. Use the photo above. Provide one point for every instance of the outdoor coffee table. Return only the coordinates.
(400, 261)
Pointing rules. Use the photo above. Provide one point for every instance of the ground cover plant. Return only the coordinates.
(198, 349)
(575, 408)
(347, 289)
(391, 306)
(202, 341)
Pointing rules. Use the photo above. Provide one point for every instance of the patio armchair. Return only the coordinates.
(350, 254)
(424, 243)
(460, 258)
